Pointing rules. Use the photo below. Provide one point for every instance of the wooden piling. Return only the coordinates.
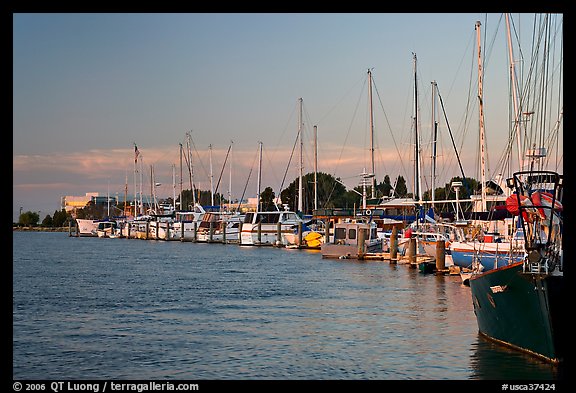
(412, 252)
(278, 233)
(394, 245)
(440, 255)
(361, 243)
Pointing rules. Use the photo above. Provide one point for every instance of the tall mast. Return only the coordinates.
(174, 186)
(417, 180)
(315, 167)
(371, 131)
(434, 139)
(230, 178)
(108, 199)
(191, 168)
(125, 193)
(181, 178)
(141, 185)
(136, 154)
(152, 193)
(300, 204)
(259, 176)
(211, 178)
(481, 115)
(514, 93)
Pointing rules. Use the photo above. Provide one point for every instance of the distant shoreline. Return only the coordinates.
(41, 229)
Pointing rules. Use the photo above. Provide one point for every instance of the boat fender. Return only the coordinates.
(537, 202)
(368, 212)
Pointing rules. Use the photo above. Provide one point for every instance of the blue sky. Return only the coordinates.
(86, 87)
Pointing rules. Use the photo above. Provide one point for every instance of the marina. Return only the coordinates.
(413, 268)
(132, 309)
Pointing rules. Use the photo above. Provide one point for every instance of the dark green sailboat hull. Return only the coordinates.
(521, 310)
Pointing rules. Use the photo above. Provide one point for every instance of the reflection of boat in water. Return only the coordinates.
(348, 238)
(487, 359)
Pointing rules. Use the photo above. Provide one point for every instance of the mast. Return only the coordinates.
(191, 169)
(181, 178)
(125, 193)
(371, 131)
(141, 185)
(211, 178)
(174, 186)
(315, 167)
(136, 154)
(514, 93)
(300, 202)
(152, 193)
(417, 180)
(481, 120)
(259, 176)
(230, 178)
(434, 140)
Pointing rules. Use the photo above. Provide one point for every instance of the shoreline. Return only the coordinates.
(40, 229)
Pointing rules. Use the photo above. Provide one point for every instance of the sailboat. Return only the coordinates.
(268, 227)
(522, 304)
(491, 249)
(186, 221)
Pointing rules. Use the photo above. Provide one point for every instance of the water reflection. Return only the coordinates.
(491, 361)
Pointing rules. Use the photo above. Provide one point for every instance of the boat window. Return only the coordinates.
(249, 217)
(340, 233)
(352, 233)
(289, 217)
(267, 218)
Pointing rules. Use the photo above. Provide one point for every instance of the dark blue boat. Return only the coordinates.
(520, 305)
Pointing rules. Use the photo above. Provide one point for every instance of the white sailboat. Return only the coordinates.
(268, 227)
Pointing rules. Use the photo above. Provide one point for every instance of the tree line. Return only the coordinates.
(330, 193)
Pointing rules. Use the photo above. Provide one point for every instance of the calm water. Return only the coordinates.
(91, 308)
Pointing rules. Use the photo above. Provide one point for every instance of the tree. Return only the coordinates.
(47, 221)
(28, 218)
(60, 217)
(401, 189)
(384, 187)
(329, 192)
(267, 200)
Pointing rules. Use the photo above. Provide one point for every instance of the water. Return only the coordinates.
(92, 308)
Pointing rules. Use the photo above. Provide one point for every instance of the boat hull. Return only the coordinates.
(490, 255)
(267, 234)
(87, 227)
(332, 250)
(521, 310)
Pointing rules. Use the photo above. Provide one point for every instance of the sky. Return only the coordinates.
(89, 87)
